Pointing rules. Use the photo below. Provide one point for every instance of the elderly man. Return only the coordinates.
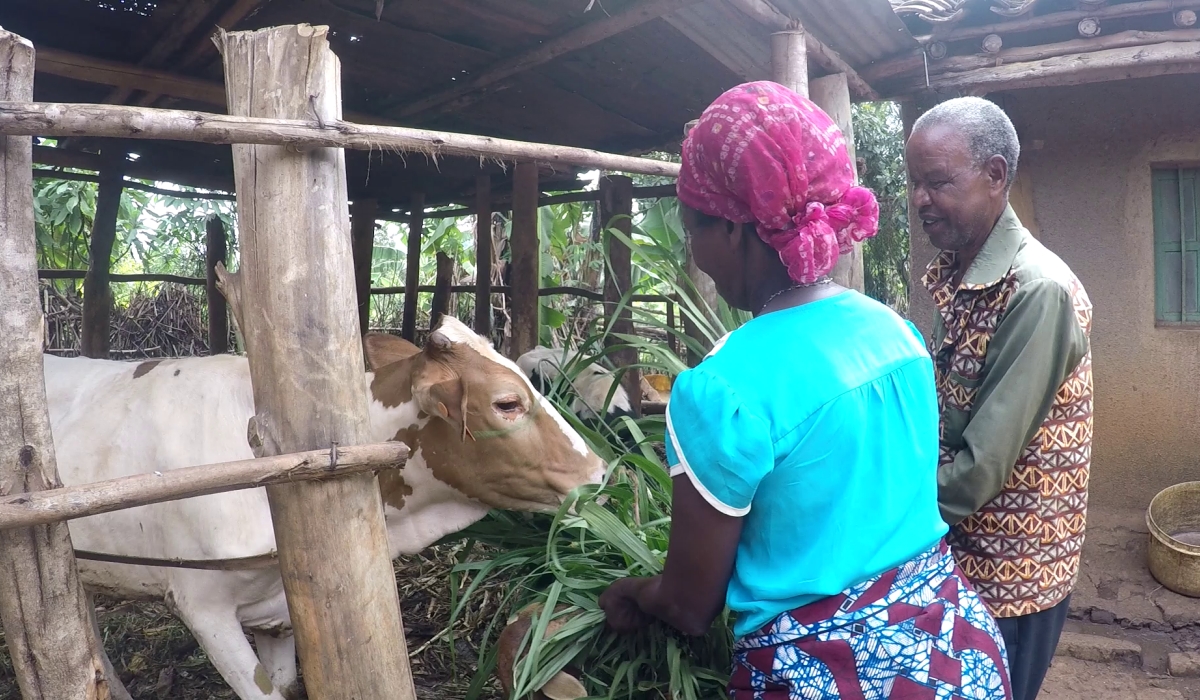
(1013, 371)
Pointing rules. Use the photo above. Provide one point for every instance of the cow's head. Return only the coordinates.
(475, 423)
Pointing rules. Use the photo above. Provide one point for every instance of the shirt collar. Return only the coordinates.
(994, 261)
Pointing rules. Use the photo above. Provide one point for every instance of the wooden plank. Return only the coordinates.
(188, 19)
(832, 94)
(131, 185)
(441, 289)
(546, 51)
(126, 77)
(526, 260)
(216, 252)
(83, 500)
(789, 60)
(412, 267)
(1061, 19)
(483, 255)
(616, 213)
(119, 121)
(362, 233)
(1171, 58)
(43, 608)
(295, 292)
(97, 294)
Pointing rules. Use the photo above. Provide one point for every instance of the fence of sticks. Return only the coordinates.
(293, 140)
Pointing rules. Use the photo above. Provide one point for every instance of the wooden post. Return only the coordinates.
(97, 291)
(441, 289)
(412, 268)
(297, 298)
(832, 94)
(483, 255)
(43, 607)
(789, 60)
(362, 233)
(526, 267)
(616, 212)
(216, 251)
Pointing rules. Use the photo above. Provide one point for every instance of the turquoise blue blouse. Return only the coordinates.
(819, 425)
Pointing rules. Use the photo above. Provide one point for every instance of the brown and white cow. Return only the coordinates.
(481, 437)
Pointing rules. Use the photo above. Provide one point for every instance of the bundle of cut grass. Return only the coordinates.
(565, 561)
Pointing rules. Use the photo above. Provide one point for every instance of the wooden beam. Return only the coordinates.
(97, 293)
(769, 16)
(616, 213)
(789, 60)
(216, 252)
(66, 158)
(84, 500)
(295, 291)
(43, 608)
(441, 289)
(126, 77)
(189, 17)
(526, 260)
(1061, 19)
(118, 121)
(1170, 58)
(131, 185)
(832, 94)
(958, 64)
(412, 267)
(362, 232)
(483, 255)
(586, 35)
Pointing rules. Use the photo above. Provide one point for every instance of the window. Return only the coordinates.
(1176, 192)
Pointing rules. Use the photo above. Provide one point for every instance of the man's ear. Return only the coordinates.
(997, 172)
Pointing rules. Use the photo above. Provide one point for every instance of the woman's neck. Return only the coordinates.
(790, 296)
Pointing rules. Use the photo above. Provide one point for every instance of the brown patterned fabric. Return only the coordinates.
(1021, 550)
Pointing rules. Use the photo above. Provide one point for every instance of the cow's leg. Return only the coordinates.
(116, 689)
(278, 654)
(220, 634)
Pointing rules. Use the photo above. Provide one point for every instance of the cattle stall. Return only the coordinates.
(286, 126)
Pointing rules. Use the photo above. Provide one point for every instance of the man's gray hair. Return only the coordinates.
(988, 130)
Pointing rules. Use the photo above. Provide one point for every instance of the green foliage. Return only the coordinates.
(879, 142)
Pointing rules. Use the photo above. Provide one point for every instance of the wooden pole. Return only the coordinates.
(526, 259)
(97, 291)
(832, 94)
(616, 213)
(120, 121)
(412, 268)
(441, 289)
(83, 500)
(216, 251)
(1060, 19)
(362, 233)
(296, 294)
(43, 608)
(483, 255)
(789, 60)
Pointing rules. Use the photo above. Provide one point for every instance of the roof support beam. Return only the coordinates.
(587, 35)
(190, 16)
(767, 15)
(1059, 19)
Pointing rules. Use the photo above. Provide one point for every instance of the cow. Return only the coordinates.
(592, 383)
(480, 437)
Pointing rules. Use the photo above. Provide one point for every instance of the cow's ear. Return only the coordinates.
(441, 393)
(564, 686)
(383, 349)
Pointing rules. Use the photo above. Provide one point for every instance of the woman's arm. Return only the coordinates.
(690, 592)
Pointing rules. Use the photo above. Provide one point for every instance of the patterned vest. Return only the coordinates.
(1021, 550)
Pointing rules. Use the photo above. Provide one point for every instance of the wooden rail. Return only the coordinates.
(80, 501)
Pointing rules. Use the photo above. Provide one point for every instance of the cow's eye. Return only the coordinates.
(509, 408)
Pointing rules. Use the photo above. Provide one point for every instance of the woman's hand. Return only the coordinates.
(621, 608)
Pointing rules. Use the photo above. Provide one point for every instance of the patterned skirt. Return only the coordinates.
(916, 632)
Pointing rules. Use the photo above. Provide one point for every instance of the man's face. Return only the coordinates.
(957, 200)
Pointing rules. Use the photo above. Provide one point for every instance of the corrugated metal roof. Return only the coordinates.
(860, 31)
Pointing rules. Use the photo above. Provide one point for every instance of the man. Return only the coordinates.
(1013, 370)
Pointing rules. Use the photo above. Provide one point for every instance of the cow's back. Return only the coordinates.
(113, 419)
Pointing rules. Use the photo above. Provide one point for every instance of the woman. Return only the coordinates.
(804, 447)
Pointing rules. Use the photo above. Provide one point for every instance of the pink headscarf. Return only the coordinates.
(761, 153)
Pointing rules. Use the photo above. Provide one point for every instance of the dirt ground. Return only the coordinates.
(1072, 679)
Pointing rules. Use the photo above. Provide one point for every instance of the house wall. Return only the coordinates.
(1087, 152)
